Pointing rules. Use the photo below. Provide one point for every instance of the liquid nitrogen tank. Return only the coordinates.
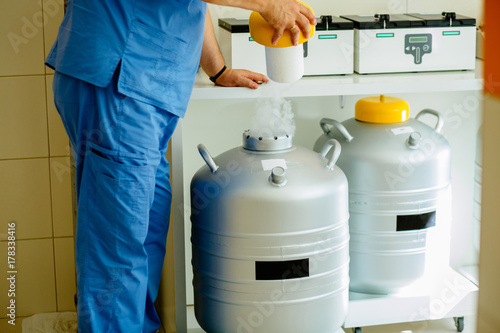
(399, 176)
(270, 238)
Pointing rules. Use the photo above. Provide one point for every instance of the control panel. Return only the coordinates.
(418, 45)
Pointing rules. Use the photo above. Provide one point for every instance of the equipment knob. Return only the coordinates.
(278, 176)
(414, 140)
(449, 15)
(383, 18)
(325, 21)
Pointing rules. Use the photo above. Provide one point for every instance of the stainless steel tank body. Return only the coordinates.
(270, 239)
(399, 178)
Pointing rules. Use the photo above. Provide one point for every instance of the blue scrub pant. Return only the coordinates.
(124, 198)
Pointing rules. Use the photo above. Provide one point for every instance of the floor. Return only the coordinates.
(433, 326)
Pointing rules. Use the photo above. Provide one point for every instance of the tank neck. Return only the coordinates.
(266, 143)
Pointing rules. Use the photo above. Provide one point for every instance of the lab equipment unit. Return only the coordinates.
(270, 238)
(398, 171)
(413, 42)
(238, 48)
(329, 52)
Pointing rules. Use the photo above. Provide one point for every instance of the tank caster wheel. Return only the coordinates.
(356, 330)
(459, 323)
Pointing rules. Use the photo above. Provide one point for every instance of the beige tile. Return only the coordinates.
(23, 119)
(61, 322)
(49, 70)
(25, 198)
(8, 328)
(65, 273)
(62, 197)
(21, 28)
(58, 139)
(54, 12)
(34, 287)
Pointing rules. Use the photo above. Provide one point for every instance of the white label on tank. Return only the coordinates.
(402, 130)
(270, 164)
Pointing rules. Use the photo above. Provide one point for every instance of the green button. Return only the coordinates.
(385, 35)
(327, 36)
(451, 33)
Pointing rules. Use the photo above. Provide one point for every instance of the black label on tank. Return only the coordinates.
(416, 222)
(281, 270)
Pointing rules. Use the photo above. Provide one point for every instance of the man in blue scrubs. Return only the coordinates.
(124, 71)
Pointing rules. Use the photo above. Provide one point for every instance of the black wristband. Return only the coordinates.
(216, 76)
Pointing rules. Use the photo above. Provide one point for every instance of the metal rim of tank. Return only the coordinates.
(266, 143)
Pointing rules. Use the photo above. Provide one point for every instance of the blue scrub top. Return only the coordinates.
(157, 41)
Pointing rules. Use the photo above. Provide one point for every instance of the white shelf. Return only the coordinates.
(354, 84)
(471, 272)
(446, 295)
(458, 298)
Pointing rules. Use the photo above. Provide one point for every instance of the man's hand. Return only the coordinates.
(240, 78)
(211, 61)
(280, 14)
(286, 14)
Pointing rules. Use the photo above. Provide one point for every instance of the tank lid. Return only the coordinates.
(262, 32)
(382, 109)
(266, 143)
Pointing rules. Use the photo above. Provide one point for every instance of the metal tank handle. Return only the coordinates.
(331, 144)
(440, 121)
(207, 158)
(327, 121)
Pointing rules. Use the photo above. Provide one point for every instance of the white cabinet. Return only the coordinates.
(206, 95)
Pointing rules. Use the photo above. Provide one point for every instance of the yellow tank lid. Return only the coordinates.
(382, 109)
(262, 32)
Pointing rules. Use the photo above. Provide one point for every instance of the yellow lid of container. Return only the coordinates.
(382, 109)
(262, 32)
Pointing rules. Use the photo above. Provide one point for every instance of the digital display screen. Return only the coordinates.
(418, 39)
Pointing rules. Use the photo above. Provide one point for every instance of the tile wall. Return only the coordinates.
(35, 182)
